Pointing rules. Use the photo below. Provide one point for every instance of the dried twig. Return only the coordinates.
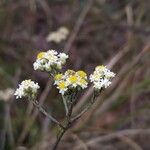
(130, 142)
(9, 125)
(127, 132)
(78, 25)
(83, 145)
(133, 99)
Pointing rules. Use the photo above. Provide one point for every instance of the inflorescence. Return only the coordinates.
(52, 62)
(71, 80)
(101, 77)
(58, 36)
(27, 88)
(68, 83)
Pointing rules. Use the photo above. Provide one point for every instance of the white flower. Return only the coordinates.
(63, 57)
(105, 82)
(102, 83)
(58, 36)
(27, 88)
(71, 80)
(47, 66)
(19, 93)
(94, 77)
(55, 37)
(59, 65)
(101, 77)
(63, 30)
(82, 83)
(50, 61)
(62, 91)
(97, 85)
(62, 87)
(36, 65)
(51, 55)
(39, 64)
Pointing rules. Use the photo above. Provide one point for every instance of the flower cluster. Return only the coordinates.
(58, 36)
(50, 61)
(71, 80)
(27, 88)
(101, 78)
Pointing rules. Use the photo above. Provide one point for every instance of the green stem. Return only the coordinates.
(68, 123)
(58, 139)
(65, 104)
(61, 134)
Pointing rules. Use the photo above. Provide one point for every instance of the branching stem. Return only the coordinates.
(41, 109)
(68, 122)
(69, 119)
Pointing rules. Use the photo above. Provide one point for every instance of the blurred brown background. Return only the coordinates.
(111, 32)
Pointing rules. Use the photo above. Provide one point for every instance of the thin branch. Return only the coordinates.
(46, 114)
(68, 123)
(3, 132)
(127, 132)
(130, 142)
(129, 13)
(92, 101)
(81, 142)
(78, 25)
(65, 104)
(133, 98)
(59, 138)
(9, 125)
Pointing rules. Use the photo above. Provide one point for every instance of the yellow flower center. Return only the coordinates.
(62, 85)
(73, 79)
(40, 55)
(70, 72)
(82, 74)
(100, 67)
(27, 81)
(82, 81)
(58, 76)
